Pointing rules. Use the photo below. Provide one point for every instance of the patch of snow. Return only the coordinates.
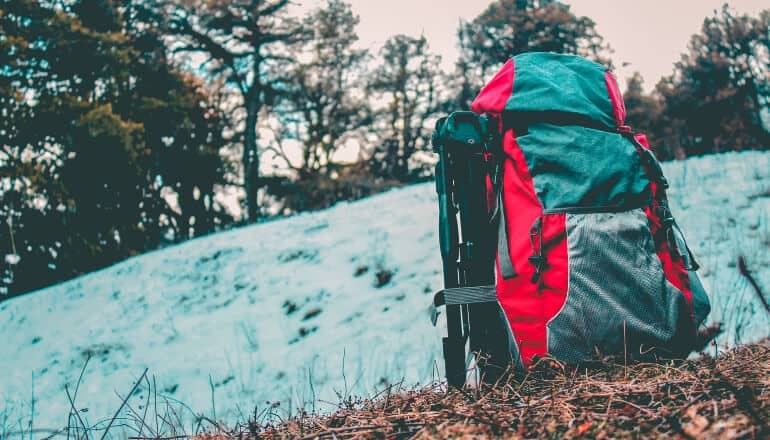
(288, 311)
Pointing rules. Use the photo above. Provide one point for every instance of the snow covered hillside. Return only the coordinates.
(302, 309)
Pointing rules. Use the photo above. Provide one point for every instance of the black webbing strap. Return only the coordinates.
(654, 172)
(463, 295)
(503, 254)
(520, 121)
(650, 163)
(690, 263)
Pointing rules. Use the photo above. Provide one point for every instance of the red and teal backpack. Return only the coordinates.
(590, 261)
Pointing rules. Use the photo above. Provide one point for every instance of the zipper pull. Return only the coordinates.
(536, 241)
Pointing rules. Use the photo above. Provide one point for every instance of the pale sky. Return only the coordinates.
(649, 35)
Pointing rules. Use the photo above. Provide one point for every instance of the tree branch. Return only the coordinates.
(215, 49)
(271, 9)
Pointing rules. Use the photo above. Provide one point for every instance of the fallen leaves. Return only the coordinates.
(726, 397)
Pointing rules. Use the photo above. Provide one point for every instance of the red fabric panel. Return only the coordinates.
(496, 93)
(527, 305)
(675, 270)
(618, 106)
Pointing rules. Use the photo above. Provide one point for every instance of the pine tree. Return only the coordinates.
(409, 80)
(510, 27)
(714, 99)
(644, 114)
(324, 105)
(98, 129)
(248, 43)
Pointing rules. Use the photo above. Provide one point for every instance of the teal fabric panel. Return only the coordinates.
(578, 167)
(564, 83)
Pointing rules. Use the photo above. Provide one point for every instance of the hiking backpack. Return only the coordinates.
(573, 252)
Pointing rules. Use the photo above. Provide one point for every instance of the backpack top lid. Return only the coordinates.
(550, 82)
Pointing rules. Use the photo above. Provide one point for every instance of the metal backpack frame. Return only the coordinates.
(469, 151)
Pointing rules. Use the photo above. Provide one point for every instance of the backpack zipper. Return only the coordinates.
(537, 259)
(643, 203)
(588, 209)
(536, 241)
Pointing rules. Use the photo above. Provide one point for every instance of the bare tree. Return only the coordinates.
(409, 80)
(247, 41)
(325, 104)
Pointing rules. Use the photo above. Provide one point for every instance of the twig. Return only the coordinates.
(312, 387)
(82, 372)
(146, 406)
(32, 409)
(213, 406)
(155, 399)
(332, 431)
(159, 438)
(125, 400)
(344, 378)
(745, 272)
(213, 423)
(75, 410)
(142, 424)
(52, 433)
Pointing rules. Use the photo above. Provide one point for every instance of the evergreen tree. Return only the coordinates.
(98, 130)
(644, 114)
(714, 99)
(510, 27)
(247, 42)
(324, 110)
(409, 81)
(324, 104)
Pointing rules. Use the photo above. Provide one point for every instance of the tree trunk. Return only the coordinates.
(251, 160)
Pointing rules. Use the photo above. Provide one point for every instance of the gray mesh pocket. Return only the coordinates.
(618, 298)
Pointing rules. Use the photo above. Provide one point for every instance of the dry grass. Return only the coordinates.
(726, 397)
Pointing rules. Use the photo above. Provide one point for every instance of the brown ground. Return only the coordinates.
(726, 397)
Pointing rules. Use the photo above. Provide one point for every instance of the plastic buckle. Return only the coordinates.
(665, 216)
(539, 262)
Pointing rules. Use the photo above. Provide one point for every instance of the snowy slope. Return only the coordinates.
(289, 310)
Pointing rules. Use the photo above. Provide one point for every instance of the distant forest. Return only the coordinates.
(128, 125)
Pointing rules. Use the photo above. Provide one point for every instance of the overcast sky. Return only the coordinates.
(648, 35)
